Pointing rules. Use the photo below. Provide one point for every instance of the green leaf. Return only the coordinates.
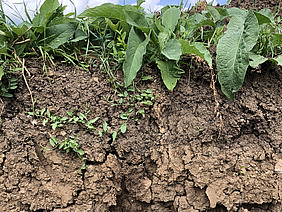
(59, 34)
(196, 48)
(53, 141)
(234, 11)
(54, 125)
(113, 26)
(1, 72)
(265, 16)
(92, 121)
(135, 51)
(256, 60)
(82, 116)
(8, 95)
(46, 10)
(124, 116)
(48, 6)
(276, 39)
(79, 35)
(170, 18)
(233, 52)
(105, 126)
(3, 44)
(107, 10)
(43, 111)
(44, 122)
(114, 135)
(137, 19)
(48, 113)
(196, 21)
(214, 13)
(70, 113)
(168, 73)
(123, 127)
(172, 49)
(277, 60)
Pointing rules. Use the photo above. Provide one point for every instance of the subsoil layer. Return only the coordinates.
(193, 151)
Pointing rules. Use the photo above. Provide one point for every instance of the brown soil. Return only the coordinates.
(162, 163)
(273, 5)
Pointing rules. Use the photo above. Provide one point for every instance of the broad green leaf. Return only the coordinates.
(61, 20)
(223, 12)
(265, 15)
(46, 10)
(172, 49)
(48, 6)
(163, 37)
(113, 26)
(79, 35)
(107, 10)
(256, 60)
(214, 13)
(196, 21)
(233, 52)
(169, 73)
(59, 34)
(136, 48)
(277, 60)
(196, 48)
(276, 39)
(136, 19)
(234, 11)
(170, 18)
(157, 25)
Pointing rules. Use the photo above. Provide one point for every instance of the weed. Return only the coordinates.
(68, 144)
(76, 118)
(199, 130)
(242, 170)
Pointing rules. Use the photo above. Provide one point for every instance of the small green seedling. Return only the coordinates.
(68, 144)
(199, 130)
(82, 118)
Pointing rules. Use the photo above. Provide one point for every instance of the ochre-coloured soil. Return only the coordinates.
(194, 151)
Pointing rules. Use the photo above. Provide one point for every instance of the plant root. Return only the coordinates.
(216, 110)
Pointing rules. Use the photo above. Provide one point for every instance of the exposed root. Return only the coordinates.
(23, 71)
(216, 110)
(2, 108)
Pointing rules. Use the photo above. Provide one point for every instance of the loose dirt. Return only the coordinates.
(194, 151)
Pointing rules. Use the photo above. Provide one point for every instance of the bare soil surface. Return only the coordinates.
(193, 151)
(273, 5)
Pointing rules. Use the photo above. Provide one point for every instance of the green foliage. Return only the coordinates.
(136, 48)
(130, 37)
(233, 52)
(169, 73)
(147, 36)
(6, 85)
(251, 40)
(197, 49)
(68, 144)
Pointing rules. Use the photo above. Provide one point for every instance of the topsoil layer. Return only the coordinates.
(193, 151)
